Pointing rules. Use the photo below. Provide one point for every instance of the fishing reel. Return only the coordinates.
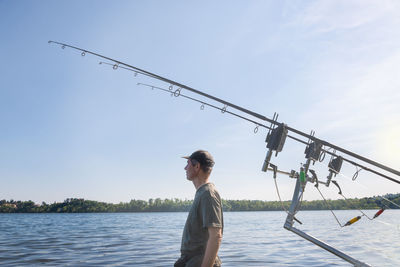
(334, 168)
(275, 141)
(313, 151)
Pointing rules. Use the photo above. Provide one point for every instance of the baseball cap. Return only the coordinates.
(203, 157)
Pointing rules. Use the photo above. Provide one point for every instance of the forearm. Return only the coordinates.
(210, 254)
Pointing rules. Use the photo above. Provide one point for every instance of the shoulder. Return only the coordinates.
(209, 190)
(210, 195)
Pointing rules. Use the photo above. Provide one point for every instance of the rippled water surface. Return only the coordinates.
(153, 239)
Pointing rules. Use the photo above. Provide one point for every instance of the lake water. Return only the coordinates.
(153, 239)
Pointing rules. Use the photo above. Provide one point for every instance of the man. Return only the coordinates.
(202, 234)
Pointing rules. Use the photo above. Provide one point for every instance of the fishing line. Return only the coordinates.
(354, 206)
(175, 93)
(275, 171)
(360, 184)
(116, 66)
(279, 196)
(223, 110)
(389, 224)
(353, 179)
(329, 207)
(283, 206)
(334, 168)
(367, 188)
(355, 219)
(168, 81)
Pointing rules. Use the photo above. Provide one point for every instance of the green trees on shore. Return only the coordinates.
(74, 205)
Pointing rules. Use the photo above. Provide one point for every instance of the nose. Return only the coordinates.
(187, 166)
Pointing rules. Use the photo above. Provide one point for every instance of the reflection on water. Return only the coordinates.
(153, 239)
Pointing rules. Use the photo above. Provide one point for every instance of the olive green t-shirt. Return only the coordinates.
(206, 211)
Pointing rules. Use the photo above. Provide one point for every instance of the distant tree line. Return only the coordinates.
(75, 205)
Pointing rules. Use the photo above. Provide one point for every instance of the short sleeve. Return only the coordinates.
(211, 211)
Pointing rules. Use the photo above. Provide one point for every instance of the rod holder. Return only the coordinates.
(266, 161)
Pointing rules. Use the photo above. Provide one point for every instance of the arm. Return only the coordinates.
(214, 240)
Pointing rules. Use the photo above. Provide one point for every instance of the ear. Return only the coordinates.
(197, 166)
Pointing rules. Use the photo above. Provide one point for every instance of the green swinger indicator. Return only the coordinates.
(302, 176)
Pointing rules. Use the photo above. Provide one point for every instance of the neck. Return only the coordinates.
(199, 182)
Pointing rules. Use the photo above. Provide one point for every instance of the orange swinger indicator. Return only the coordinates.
(378, 213)
(352, 221)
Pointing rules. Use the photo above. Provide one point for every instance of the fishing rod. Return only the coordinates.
(277, 131)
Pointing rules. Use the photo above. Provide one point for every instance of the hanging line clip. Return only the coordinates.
(337, 185)
(274, 169)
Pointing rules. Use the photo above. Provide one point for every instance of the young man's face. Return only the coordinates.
(190, 169)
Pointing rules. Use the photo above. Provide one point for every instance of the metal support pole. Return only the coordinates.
(289, 226)
(327, 247)
(293, 205)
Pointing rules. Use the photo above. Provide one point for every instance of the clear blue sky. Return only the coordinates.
(70, 127)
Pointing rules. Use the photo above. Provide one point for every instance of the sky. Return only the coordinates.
(71, 128)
